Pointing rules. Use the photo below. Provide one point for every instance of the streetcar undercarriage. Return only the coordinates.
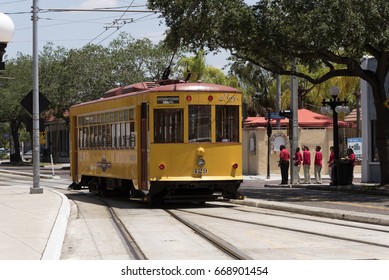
(164, 191)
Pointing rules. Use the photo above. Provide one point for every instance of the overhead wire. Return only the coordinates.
(13, 2)
(91, 21)
(113, 24)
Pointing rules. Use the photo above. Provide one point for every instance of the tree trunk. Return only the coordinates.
(15, 125)
(382, 132)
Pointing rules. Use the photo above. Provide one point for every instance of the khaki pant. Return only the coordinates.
(307, 174)
(318, 174)
(296, 174)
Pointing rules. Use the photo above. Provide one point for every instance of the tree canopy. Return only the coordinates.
(69, 76)
(335, 34)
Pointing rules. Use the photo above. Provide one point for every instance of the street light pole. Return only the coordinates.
(7, 29)
(35, 102)
(293, 121)
(269, 132)
(336, 106)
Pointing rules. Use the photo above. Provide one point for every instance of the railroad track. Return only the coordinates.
(126, 235)
(83, 200)
(223, 245)
(372, 230)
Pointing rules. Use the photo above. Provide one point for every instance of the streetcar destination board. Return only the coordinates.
(168, 99)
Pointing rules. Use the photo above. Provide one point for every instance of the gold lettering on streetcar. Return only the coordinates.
(228, 97)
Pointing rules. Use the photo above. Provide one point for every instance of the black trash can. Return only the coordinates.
(345, 173)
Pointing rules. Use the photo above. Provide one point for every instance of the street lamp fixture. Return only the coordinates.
(335, 106)
(7, 29)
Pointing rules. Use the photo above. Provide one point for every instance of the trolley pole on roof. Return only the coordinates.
(35, 104)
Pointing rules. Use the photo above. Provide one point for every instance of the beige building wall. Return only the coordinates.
(255, 145)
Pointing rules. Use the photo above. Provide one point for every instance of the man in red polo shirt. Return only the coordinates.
(318, 164)
(284, 164)
(307, 165)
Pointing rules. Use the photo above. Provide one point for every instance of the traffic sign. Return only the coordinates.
(274, 116)
(28, 100)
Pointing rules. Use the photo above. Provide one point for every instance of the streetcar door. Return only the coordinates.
(144, 146)
(74, 142)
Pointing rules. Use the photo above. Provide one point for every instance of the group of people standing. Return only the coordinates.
(304, 159)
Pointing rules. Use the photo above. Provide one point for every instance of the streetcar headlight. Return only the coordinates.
(200, 162)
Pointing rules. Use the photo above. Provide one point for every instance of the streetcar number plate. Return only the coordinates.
(200, 171)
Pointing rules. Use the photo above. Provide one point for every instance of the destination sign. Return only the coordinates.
(168, 99)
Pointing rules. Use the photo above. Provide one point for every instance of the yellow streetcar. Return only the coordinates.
(167, 141)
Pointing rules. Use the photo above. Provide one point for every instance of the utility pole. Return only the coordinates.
(293, 122)
(35, 104)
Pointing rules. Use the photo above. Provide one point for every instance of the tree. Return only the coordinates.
(195, 69)
(336, 34)
(138, 60)
(12, 91)
(257, 86)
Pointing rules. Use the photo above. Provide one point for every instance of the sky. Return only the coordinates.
(77, 29)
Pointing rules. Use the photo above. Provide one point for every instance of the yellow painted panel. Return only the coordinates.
(108, 163)
(180, 161)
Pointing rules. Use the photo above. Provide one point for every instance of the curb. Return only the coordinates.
(43, 176)
(316, 211)
(53, 247)
(361, 188)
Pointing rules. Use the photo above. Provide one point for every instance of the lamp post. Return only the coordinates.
(7, 29)
(269, 132)
(336, 106)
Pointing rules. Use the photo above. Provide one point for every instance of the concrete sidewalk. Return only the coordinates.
(32, 226)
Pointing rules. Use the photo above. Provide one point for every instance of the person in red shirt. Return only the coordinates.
(306, 165)
(284, 164)
(298, 159)
(318, 164)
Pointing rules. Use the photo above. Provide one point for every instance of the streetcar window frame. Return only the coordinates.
(168, 125)
(199, 123)
(227, 123)
(107, 130)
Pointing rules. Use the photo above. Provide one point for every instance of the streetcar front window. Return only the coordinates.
(227, 124)
(199, 123)
(168, 126)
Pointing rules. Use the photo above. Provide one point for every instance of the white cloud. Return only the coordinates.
(90, 4)
(155, 37)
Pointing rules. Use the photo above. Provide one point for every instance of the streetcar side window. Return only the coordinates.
(199, 123)
(227, 124)
(111, 130)
(168, 126)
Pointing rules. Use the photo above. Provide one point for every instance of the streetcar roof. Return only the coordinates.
(170, 86)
